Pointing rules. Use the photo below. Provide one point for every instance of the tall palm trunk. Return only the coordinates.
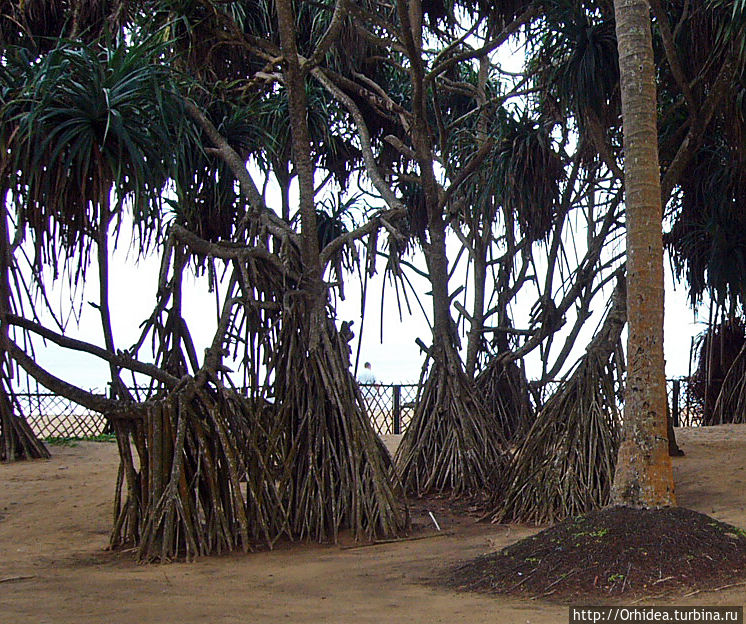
(643, 475)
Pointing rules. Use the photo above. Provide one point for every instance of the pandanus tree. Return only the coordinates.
(197, 438)
(27, 28)
(326, 411)
(38, 24)
(92, 129)
(438, 97)
(91, 145)
(452, 443)
(17, 440)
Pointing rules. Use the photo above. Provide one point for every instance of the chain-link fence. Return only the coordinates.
(685, 412)
(390, 406)
(53, 416)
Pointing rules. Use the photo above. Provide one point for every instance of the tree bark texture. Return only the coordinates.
(643, 475)
(476, 325)
(295, 83)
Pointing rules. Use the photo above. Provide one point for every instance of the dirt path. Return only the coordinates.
(55, 517)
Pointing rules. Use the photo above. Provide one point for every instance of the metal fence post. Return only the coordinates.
(397, 409)
(675, 409)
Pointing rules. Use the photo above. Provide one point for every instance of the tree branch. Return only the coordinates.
(370, 227)
(488, 47)
(238, 167)
(365, 143)
(328, 38)
(672, 55)
(466, 171)
(234, 252)
(92, 401)
(121, 359)
(584, 276)
(693, 140)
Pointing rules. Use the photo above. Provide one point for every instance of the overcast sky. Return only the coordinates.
(390, 347)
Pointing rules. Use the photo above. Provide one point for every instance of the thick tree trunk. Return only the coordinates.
(476, 327)
(437, 263)
(301, 144)
(481, 233)
(643, 476)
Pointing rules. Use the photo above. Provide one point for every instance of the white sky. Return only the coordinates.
(395, 358)
(390, 346)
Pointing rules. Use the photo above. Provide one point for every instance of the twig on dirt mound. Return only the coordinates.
(616, 552)
(565, 466)
(16, 579)
(397, 540)
(451, 445)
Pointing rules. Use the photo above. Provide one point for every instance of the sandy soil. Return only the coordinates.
(55, 517)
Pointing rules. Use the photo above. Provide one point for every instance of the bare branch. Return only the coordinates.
(672, 55)
(330, 36)
(584, 276)
(238, 167)
(120, 359)
(694, 137)
(488, 47)
(370, 163)
(466, 171)
(381, 219)
(96, 402)
(225, 251)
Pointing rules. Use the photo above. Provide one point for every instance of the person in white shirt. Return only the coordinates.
(367, 376)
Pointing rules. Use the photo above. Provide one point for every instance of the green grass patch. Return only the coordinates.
(738, 532)
(73, 441)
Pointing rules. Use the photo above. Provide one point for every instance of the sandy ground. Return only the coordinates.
(55, 517)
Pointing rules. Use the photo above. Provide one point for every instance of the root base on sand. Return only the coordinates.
(617, 552)
(565, 466)
(17, 440)
(451, 445)
(337, 474)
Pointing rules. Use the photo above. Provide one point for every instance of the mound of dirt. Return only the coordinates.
(617, 552)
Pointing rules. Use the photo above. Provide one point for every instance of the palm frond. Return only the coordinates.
(91, 121)
(529, 172)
